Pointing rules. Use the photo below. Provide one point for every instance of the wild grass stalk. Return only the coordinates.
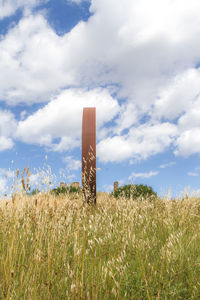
(54, 247)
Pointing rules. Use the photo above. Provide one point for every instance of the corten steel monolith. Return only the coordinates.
(89, 155)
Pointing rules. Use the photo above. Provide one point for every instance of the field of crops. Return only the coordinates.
(54, 247)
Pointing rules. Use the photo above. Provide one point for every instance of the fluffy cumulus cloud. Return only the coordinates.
(188, 143)
(139, 143)
(72, 164)
(180, 95)
(9, 7)
(146, 53)
(5, 143)
(141, 47)
(137, 49)
(8, 127)
(32, 61)
(61, 118)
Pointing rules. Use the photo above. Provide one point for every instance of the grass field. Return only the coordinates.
(56, 248)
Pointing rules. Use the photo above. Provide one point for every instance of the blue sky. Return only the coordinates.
(137, 62)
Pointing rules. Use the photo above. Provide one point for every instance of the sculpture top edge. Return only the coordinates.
(89, 108)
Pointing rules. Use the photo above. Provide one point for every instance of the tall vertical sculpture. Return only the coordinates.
(89, 155)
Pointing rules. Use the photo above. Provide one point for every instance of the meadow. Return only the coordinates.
(54, 247)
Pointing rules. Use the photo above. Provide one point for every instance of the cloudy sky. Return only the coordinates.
(137, 62)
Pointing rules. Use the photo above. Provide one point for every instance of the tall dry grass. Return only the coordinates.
(57, 248)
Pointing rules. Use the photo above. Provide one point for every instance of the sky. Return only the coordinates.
(137, 62)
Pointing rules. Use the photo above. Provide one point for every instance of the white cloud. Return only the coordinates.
(180, 95)
(72, 164)
(8, 127)
(170, 164)
(9, 7)
(188, 143)
(34, 179)
(144, 52)
(77, 1)
(33, 62)
(7, 123)
(6, 173)
(144, 42)
(139, 143)
(23, 114)
(143, 175)
(129, 116)
(62, 118)
(191, 118)
(5, 143)
(193, 174)
(104, 50)
(189, 130)
(5, 176)
(114, 149)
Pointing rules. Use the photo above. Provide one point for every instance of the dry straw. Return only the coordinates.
(54, 247)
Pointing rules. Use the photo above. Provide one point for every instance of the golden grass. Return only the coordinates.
(57, 248)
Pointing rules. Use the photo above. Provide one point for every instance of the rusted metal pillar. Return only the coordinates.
(89, 155)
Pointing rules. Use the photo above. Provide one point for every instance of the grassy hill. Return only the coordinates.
(54, 247)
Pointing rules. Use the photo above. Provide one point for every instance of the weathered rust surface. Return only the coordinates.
(89, 155)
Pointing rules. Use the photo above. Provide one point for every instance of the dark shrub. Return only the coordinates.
(136, 191)
(66, 190)
(33, 192)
